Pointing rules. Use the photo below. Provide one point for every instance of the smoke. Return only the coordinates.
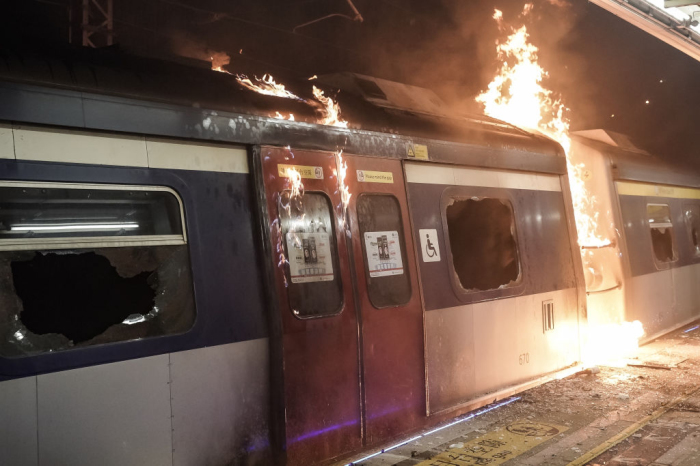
(454, 51)
(187, 45)
(598, 64)
(219, 60)
(549, 25)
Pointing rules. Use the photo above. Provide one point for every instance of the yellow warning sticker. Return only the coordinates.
(313, 173)
(417, 151)
(421, 151)
(409, 150)
(368, 176)
(499, 446)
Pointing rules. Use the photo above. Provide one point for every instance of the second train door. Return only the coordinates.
(391, 316)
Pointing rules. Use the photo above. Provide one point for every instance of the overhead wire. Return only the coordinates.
(228, 16)
(170, 36)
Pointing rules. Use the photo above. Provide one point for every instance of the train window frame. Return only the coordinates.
(694, 238)
(514, 288)
(662, 264)
(335, 252)
(112, 265)
(402, 247)
(77, 242)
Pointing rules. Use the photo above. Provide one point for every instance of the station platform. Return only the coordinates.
(643, 411)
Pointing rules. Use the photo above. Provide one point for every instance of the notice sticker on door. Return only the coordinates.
(368, 176)
(311, 173)
(383, 253)
(309, 257)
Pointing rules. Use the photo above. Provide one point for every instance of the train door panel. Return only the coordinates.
(314, 291)
(389, 298)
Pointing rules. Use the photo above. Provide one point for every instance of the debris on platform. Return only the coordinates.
(624, 415)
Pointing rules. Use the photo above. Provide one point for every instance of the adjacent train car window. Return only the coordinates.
(38, 213)
(381, 229)
(83, 265)
(483, 243)
(692, 223)
(661, 232)
(315, 288)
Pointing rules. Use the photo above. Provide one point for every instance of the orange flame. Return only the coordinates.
(297, 187)
(498, 16)
(219, 60)
(266, 85)
(610, 344)
(330, 110)
(345, 194)
(296, 194)
(289, 117)
(516, 95)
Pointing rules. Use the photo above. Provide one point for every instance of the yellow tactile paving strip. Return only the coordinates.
(498, 446)
(611, 442)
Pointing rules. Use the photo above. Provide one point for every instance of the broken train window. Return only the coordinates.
(82, 265)
(483, 243)
(661, 229)
(692, 222)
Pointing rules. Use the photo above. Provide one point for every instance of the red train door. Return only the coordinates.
(318, 315)
(389, 298)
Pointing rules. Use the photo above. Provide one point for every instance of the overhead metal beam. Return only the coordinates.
(98, 23)
(677, 3)
(657, 22)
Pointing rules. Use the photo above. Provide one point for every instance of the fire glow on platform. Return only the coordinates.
(517, 95)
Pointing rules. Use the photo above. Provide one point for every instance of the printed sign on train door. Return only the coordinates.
(383, 253)
(309, 257)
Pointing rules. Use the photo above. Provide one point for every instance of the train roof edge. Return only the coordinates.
(630, 163)
(100, 89)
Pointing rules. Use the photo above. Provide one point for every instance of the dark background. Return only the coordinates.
(599, 64)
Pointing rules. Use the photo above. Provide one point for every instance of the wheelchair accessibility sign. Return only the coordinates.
(429, 245)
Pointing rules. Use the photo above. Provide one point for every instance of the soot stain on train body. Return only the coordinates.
(56, 300)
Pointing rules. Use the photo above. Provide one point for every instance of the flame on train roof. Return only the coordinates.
(328, 109)
(266, 86)
(517, 95)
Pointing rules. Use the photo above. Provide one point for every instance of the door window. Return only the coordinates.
(382, 236)
(692, 223)
(661, 229)
(308, 234)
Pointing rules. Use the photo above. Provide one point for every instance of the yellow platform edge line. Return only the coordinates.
(611, 442)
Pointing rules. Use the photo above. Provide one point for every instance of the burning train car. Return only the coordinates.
(651, 209)
(189, 279)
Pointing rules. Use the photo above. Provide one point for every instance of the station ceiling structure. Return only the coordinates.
(676, 22)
